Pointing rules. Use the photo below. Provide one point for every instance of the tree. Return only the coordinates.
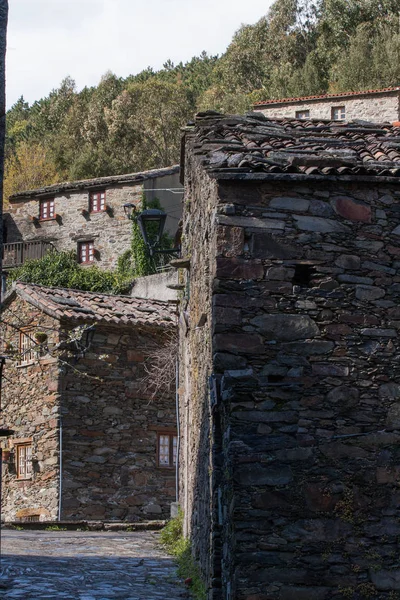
(29, 168)
(144, 123)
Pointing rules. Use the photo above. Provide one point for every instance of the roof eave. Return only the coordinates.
(260, 177)
(86, 184)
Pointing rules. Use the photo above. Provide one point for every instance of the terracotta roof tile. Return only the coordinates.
(323, 96)
(292, 146)
(81, 306)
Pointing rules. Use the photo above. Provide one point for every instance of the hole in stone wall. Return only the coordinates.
(275, 378)
(303, 275)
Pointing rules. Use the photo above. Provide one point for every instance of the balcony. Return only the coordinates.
(15, 254)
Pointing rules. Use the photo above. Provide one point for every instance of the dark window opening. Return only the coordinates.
(303, 275)
(275, 378)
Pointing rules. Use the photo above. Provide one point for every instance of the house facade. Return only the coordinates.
(371, 105)
(86, 216)
(91, 441)
(290, 379)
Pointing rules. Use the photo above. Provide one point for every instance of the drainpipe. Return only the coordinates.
(60, 474)
(178, 444)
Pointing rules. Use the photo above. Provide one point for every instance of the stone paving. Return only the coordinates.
(80, 565)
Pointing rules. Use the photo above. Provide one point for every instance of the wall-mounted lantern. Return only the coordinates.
(151, 224)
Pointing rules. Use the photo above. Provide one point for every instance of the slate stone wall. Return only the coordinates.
(110, 231)
(109, 420)
(305, 347)
(110, 423)
(197, 462)
(378, 107)
(30, 406)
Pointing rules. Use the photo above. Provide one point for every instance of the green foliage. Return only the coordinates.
(174, 542)
(141, 262)
(60, 269)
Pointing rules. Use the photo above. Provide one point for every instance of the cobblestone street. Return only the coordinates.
(77, 565)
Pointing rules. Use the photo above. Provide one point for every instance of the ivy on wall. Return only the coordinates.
(137, 260)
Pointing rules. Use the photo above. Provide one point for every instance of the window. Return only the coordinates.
(302, 114)
(23, 456)
(26, 345)
(46, 209)
(86, 252)
(97, 201)
(338, 113)
(167, 449)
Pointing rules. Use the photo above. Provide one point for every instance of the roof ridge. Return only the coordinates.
(323, 96)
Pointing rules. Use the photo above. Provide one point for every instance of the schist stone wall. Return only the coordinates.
(110, 428)
(290, 387)
(30, 402)
(383, 107)
(110, 230)
(105, 416)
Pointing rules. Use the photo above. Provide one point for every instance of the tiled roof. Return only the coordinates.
(74, 305)
(240, 146)
(324, 96)
(66, 186)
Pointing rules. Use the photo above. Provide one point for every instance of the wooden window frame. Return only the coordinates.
(97, 201)
(23, 457)
(47, 207)
(172, 457)
(86, 256)
(341, 110)
(299, 114)
(26, 346)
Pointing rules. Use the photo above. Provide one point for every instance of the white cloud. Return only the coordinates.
(50, 39)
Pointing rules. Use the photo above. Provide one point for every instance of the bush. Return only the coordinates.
(61, 269)
(180, 547)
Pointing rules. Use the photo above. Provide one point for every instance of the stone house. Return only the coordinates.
(290, 373)
(90, 441)
(86, 216)
(369, 105)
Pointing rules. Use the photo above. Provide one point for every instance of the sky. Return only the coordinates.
(51, 39)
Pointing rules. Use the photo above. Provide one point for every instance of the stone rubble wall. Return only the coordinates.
(197, 463)
(110, 424)
(30, 406)
(304, 314)
(110, 231)
(379, 108)
(306, 323)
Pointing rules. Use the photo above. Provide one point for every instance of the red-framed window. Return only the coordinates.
(46, 209)
(86, 252)
(167, 446)
(23, 455)
(97, 201)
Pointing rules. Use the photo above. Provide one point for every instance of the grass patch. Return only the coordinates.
(173, 541)
(55, 528)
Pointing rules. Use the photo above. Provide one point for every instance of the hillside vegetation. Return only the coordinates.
(300, 47)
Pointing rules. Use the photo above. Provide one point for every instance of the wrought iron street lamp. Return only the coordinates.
(151, 224)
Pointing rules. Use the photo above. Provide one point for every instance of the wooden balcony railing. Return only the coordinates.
(15, 254)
